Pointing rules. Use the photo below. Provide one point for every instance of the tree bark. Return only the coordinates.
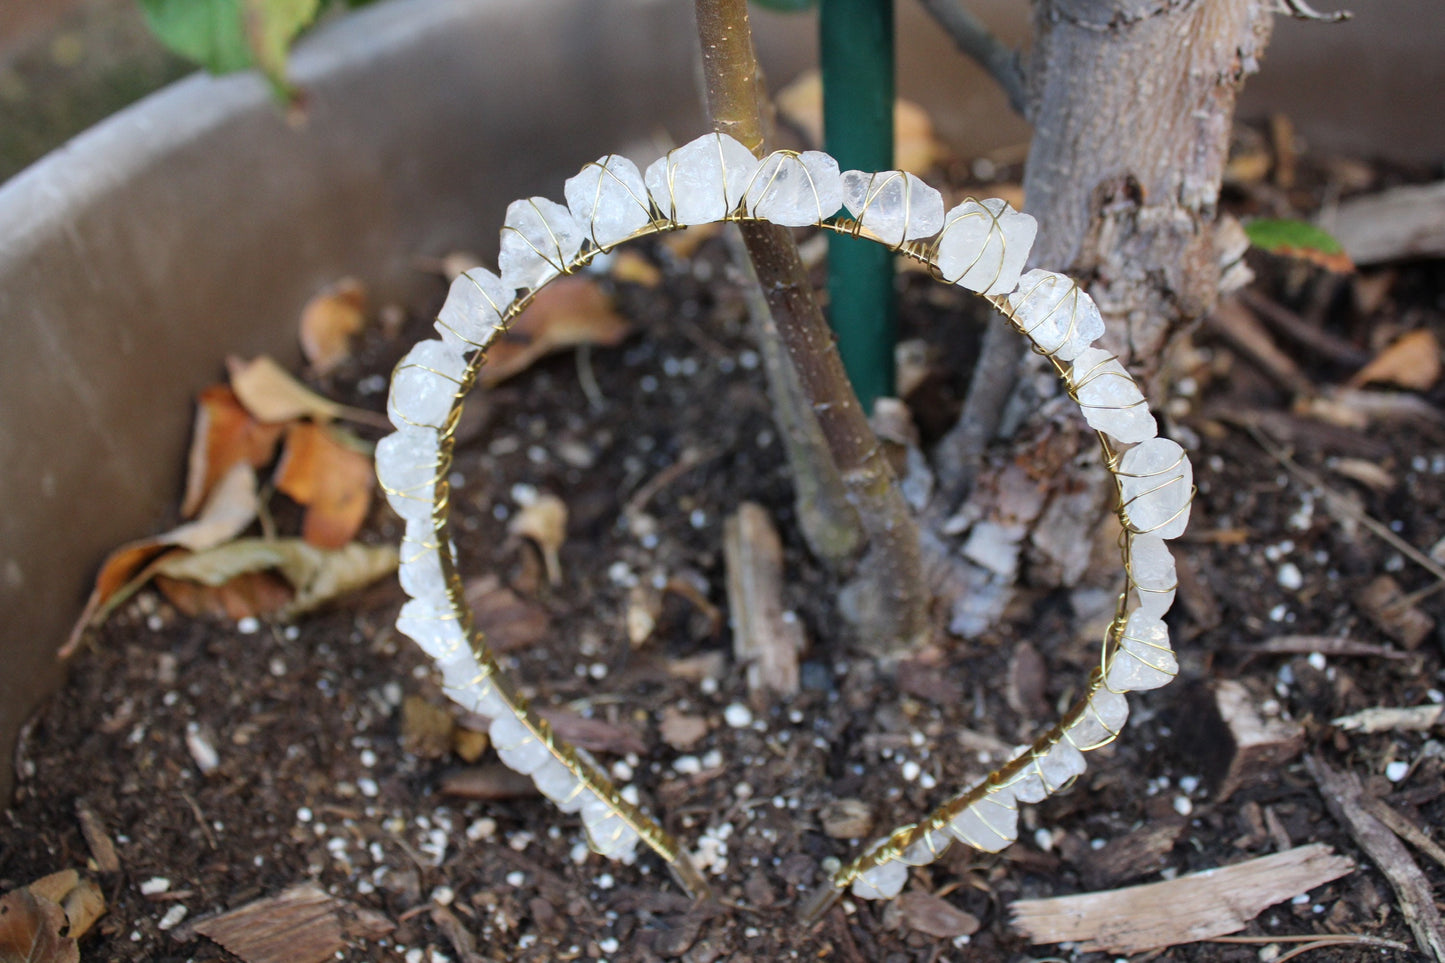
(1132, 107)
(1132, 103)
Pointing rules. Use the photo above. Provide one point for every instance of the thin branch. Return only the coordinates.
(973, 38)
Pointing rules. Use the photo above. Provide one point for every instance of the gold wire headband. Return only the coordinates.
(980, 245)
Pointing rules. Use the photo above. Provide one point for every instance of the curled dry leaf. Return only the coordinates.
(326, 472)
(329, 322)
(225, 433)
(230, 508)
(567, 313)
(629, 266)
(1413, 362)
(30, 928)
(544, 521)
(316, 576)
(270, 393)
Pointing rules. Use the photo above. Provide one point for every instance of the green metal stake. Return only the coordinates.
(856, 41)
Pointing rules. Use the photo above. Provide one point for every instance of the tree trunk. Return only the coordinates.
(1132, 103)
(1132, 106)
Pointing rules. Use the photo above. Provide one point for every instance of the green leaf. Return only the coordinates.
(1291, 238)
(229, 35)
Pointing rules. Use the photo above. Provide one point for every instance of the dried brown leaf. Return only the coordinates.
(248, 595)
(935, 916)
(628, 266)
(544, 521)
(270, 393)
(228, 511)
(225, 433)
(1412, 361)
(329, 322)
(508, 621)
(302, 924)
(30, 930)
(331, 478)
(567, 313)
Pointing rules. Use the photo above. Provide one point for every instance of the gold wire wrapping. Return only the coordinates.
(926, 832)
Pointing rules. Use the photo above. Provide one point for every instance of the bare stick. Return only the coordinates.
(973, 38)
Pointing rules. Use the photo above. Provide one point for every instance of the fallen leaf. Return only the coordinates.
(30, 929)
(316, 575)
(225, 433)
(567, 313)
(627, 265)
(1412, 361)
(915, 148)
(272, 395)
(506, 620)
(331, 478)
(544, 521)
(329, 322)
(935, 916)
(1299, 239)
(248, 595)
(230, 508)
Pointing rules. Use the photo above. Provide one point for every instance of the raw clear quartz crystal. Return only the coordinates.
(609, 200)
(985, 244)
(989, 824)
(607, 831)
(1156, 485)
(1110, 398)
(883, 881)
(480, 696)
(516, 745)
(1144, 659)
(559, 784)
(425, 383)
(795, 190)
(473, 308)
(420, 569)
(407, 463)
(894, 205)
(927, 848)
(703, 180)
(1151, 566)
(1029, 786)
(1056, 315)
(1102, 720)
(432, 627)
(1061, 764)
(539, 239)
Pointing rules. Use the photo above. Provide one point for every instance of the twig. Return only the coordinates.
(973, 38)
(1297, 329)
(959, 454)
(1315, 941)
(1346, 507)
(1345, 797)
(1405, 829)
(1323, 644)
(686, 462)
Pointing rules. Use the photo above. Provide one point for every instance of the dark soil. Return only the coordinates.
(317, 779)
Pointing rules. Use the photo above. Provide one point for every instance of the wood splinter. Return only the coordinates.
(767, 638)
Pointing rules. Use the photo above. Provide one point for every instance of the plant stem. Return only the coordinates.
(855, 39)
(891, 596)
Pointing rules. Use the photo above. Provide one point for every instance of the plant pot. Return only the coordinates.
(196, 223)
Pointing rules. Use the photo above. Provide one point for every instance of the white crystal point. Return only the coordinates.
(1144, 659)
(559, 784)
(703, 180)
(434, 628)
(989, 824)
(480, 696)
(1103, 719)
(516, 745)
(795, 190)
(420, 569)
(607, 832)
(926, 848)
(1055, 313)
(1110, 398)
(985, 244)
(1156, 485)
(894, 205)
(1061, 764)
(407, 465)
(1152, 568)
(883, 881)
(609, 200)
(473, 308)
(539, 239)
(425, 383)
(1028, 786)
